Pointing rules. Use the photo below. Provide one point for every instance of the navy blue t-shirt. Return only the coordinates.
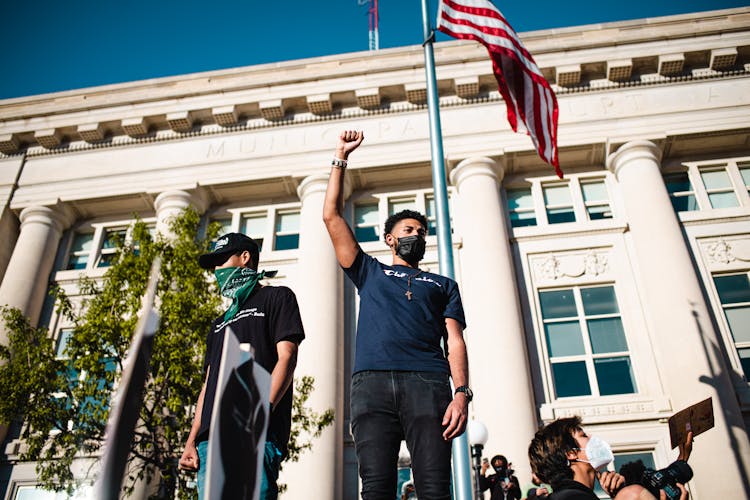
(393, 332)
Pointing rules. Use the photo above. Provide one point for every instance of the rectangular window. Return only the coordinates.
(558, 203)
(719, 188)
(62, 343)
(255, 226)
(38, 493)
(396, 205)
(225, 225)
(734, 294)
(112, 239)
(431, 209)
(366, 222)
(521, 207)
(681, 192)
(80, 250)
(586, 344)
(646, 457)
(287, 231)
(596, 200)
(745, 174)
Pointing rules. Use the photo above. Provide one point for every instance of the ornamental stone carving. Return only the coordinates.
(589, 264)
(727, 251)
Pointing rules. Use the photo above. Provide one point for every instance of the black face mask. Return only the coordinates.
(411, 248)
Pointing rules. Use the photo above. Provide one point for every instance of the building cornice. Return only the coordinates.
(10, 144)
(577, 59)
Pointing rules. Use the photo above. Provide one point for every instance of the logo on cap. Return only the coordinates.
(221, 243)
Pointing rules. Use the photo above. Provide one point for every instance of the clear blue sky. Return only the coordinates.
(50, 46)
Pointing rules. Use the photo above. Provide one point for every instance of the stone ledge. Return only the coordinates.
(625, 407)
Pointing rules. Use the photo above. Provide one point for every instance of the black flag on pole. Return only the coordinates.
(127, 401)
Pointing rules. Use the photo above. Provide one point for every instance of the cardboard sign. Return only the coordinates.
(697, 418)
(237, 436)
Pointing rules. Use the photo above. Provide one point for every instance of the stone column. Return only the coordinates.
(9, 228)
(27, 276)
(170, 204)
(26, 279)
(686, 346)
(320, 294)
(498, 359)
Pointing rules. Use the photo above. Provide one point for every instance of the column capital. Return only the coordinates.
(633, 150)
(476, 165)
(180, 200)
(59, 216)
(317, 183)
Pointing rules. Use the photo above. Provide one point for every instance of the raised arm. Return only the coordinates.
(342, 237)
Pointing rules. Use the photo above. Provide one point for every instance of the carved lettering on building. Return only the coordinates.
(268, 142)
(607, 410)
(215, 150)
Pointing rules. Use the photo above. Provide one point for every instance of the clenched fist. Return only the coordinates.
(349, 140)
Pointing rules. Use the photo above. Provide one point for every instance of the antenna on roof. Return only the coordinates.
(372, 12)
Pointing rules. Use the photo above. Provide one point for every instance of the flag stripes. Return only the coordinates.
(530, 101)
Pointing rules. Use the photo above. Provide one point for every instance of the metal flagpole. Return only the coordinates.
(462, 487)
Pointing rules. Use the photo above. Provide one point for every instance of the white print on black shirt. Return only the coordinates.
(243, 313)
(396, 274)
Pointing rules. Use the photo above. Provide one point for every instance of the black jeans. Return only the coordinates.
(390, 406)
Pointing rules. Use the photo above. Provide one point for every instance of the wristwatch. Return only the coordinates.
(465, 389)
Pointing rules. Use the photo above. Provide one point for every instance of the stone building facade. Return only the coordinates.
(620, 293)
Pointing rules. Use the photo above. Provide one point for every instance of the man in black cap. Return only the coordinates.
(267, 317)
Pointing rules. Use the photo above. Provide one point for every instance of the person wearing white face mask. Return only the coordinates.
(564, 456)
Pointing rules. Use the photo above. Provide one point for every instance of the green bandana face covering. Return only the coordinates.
(236, 283)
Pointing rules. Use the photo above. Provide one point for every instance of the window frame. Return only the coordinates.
(724, 322)
(385, 200)
(744, 165)
(559, 206)
(588, 356)
(280, 233)
(377, 225)
(97, 252)
(711, 191)
(578, 204)
(596, 203)
(529, 210)
(732, 167)
(238, 214)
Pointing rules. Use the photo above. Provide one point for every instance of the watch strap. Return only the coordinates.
(338, 162)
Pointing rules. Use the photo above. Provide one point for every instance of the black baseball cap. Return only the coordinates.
(226, 245)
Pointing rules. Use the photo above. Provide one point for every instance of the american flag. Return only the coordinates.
(531, 103)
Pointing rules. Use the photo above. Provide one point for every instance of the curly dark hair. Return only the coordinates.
(403, 214)
(548, 449)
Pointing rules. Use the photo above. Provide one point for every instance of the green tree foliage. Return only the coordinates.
(64, 403)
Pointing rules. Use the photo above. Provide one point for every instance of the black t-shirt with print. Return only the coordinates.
(270, 315)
